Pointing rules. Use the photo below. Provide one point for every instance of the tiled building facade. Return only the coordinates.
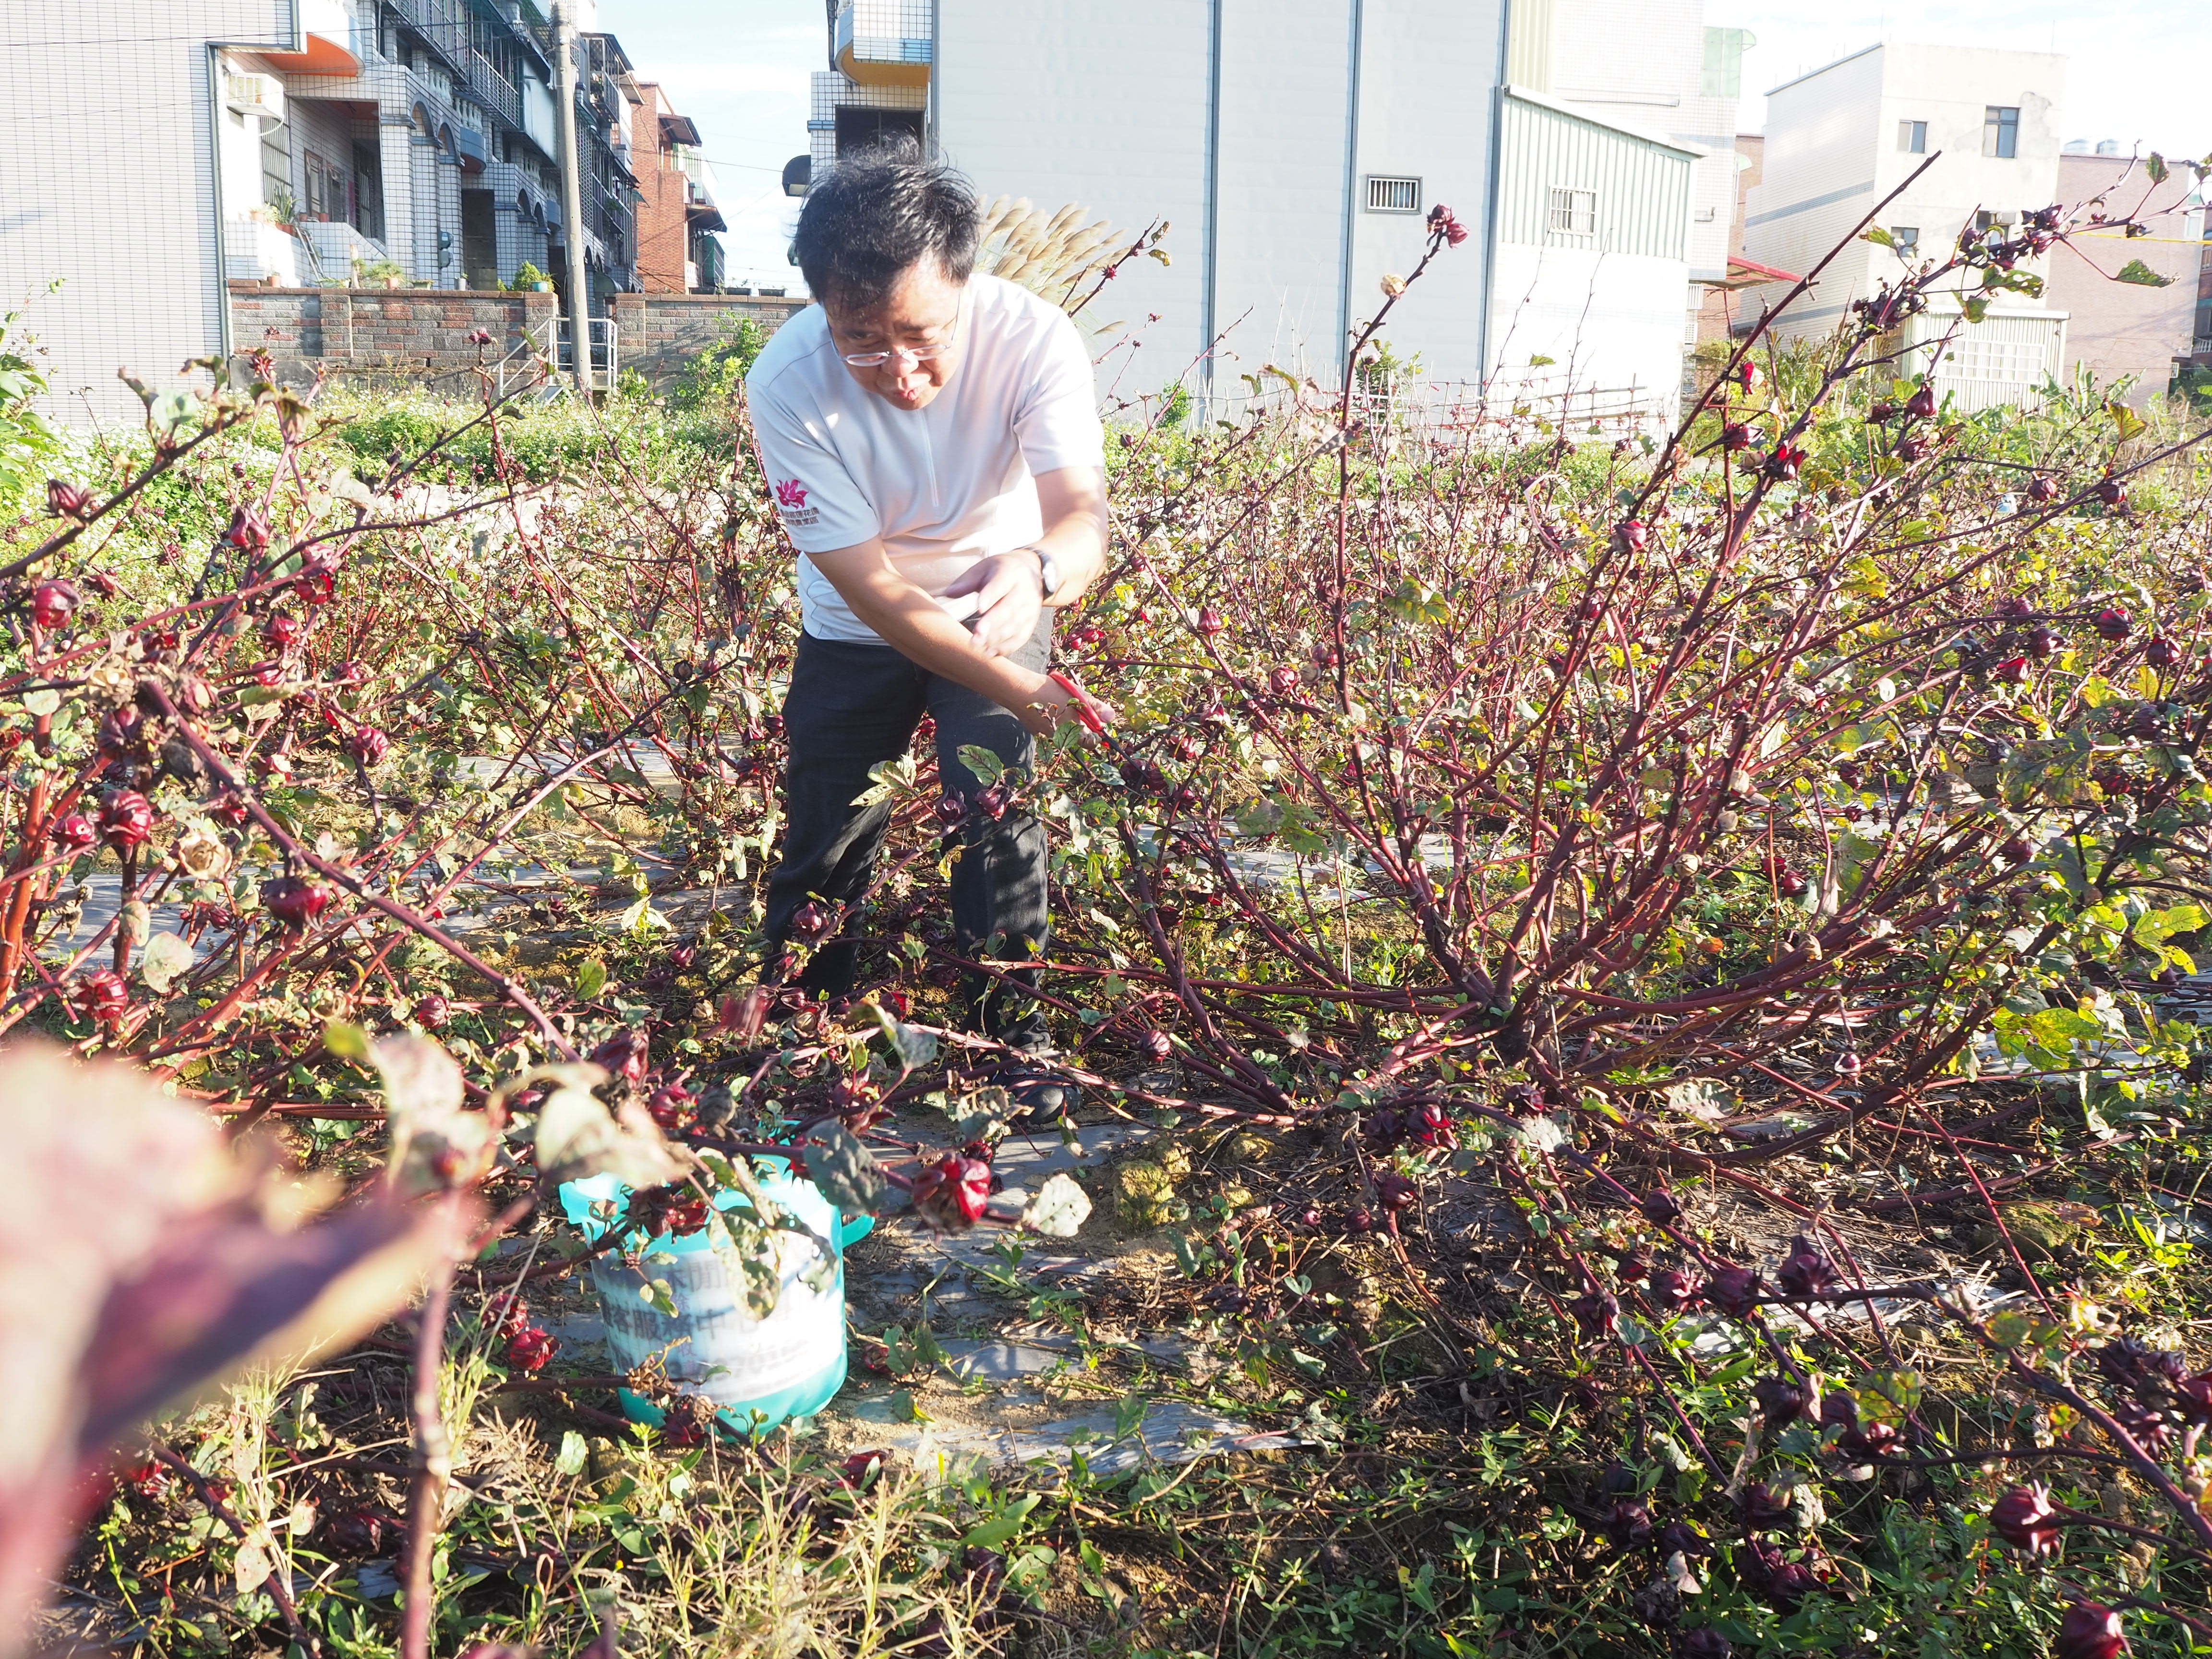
(298, 142)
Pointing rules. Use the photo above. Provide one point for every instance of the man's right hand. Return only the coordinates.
(1053, 703)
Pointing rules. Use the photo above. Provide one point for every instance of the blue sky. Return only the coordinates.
(740, 68)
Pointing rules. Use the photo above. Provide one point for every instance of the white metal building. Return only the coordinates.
(1841, 138)
(1294, 148)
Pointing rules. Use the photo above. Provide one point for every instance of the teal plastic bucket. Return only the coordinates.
(758, 1372)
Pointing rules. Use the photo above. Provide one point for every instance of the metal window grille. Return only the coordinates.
(1573, 212)
(1393, 194)
(1907, 238)
(2001, 129)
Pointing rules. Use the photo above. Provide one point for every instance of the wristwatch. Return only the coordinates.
(1047, 572)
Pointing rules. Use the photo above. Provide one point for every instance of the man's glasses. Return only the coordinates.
(906, 354)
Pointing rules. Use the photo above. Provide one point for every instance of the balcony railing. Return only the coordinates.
(444, 24)
(495, 88)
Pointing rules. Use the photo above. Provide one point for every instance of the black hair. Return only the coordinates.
(881, 212)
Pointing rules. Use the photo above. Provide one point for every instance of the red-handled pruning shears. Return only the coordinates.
(1086, 706)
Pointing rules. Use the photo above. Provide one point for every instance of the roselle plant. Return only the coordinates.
(1650, 850)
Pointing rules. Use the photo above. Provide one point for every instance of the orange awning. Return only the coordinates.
(324, 56)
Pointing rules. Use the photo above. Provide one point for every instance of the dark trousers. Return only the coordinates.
(855, 706)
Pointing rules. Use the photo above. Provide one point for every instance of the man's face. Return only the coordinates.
(921, 312)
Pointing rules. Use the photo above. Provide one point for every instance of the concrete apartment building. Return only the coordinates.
(1293, 147)
(300, 142)
(2117, 329)
(1842, 137)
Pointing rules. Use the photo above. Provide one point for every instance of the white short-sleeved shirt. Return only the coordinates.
(944, 485)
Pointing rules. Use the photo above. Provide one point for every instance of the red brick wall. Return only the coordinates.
(416, 333)
(663, 230)
(658, 333)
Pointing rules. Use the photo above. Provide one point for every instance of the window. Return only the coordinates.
(860, 126)
(1912, 137)
(1988, 222)
(1907, 238)
(1573, 212)
(2001, 129)
(1393, 194)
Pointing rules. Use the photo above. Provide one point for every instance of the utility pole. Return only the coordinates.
(572, 194)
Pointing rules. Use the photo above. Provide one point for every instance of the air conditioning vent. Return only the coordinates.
(1393, 194)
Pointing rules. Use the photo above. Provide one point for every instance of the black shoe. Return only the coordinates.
(1041, 1100)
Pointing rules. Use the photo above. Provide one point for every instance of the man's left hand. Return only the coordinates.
(1009, 595)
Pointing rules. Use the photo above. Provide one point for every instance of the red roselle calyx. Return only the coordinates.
(293, 901)
(282, 630)
(1209, 621)
(1734, 1292)
(368, 745)
(248, 531)
(1735, 436)
(1921, 405)
(67, 501)
(1155, 1046)
(1393, 1191)
(2041, 489)
(2023, 1517)
(2112, 624)
(433, 1011)
(103, 996)
(951, 1193)
(2161, 653)
(2113, 493)
(1805, 1271)
(1631, 535)
(126, 818)
(811, 922)
(2090, 1630)
(53, 603)
(73, 832)
(1282, 681)
(1781, 1402)
(1670, 1291)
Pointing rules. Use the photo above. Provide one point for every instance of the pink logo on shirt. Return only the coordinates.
(791, 493)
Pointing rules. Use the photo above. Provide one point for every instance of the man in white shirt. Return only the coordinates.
(932, 438)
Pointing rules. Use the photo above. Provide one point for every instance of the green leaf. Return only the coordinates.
(435, 1143)
(846, 1171)
(43, 702)
(167, 959)
(591, 978)
(171, 411)
(2154, 165)
(997, 1532)
(577, 1136)
(916, 1048)
(2142, 276)
(1978, 308)
(1060, 1207)
(1878, 236)
(575, 1454)
(1260, 818)
(340, 1038)
(983, 763)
